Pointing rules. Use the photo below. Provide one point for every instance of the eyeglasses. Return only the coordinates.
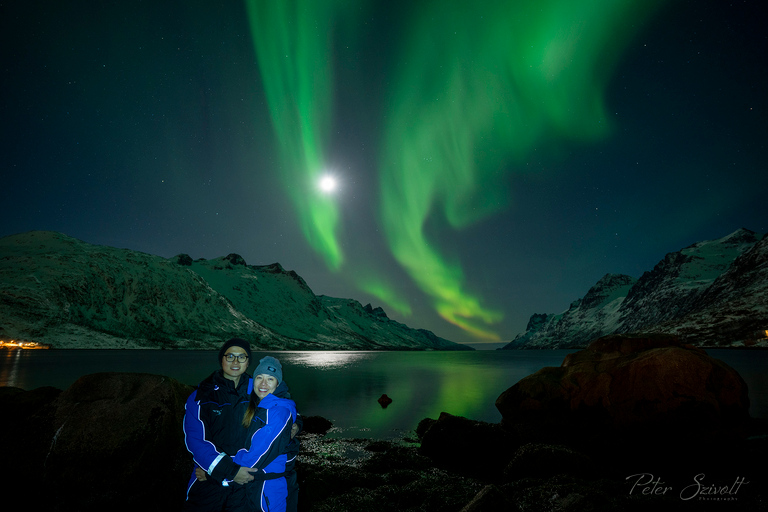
(241, 358)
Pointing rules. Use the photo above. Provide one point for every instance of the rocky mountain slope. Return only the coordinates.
(713, 293)
(58, 290)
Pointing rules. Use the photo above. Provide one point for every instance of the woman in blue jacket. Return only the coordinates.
(269, 420)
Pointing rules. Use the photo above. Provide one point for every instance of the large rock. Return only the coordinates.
(534, 460)
(112, 441)
(654, 388)
(469, 447)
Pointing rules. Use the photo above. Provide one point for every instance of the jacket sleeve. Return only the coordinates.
(205, 454)
(269, 441)
(299, 423)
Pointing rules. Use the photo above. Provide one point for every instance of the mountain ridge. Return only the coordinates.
(712, 293)
(60, 291)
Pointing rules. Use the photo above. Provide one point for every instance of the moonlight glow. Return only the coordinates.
(294, 58)
(328, 184)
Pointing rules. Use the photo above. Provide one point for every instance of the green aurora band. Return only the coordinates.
(480, 85)
(293, 47)
(476, 87)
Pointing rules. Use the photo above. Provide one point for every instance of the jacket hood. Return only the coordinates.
(272, 400)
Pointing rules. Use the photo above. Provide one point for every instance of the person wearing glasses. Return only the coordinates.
(213, 432)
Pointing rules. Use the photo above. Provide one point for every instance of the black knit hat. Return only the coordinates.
(235, 342)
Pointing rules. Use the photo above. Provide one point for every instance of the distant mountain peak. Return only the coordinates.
(712, 293)
(609, 287)
(235, 259)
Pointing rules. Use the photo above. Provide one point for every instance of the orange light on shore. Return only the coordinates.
(23, 344)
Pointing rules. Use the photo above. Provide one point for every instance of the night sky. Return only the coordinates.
(492, 159)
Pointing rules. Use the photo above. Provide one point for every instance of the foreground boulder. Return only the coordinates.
(112, 441)
(472, 448)
(535, 460)
(646, 388)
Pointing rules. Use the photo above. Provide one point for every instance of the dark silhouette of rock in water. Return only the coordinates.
(316, 425)
(384, 401)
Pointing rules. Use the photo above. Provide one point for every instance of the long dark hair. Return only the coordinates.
(251, 412)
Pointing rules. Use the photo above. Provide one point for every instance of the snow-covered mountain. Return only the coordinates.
(713, 293)
(58, 290)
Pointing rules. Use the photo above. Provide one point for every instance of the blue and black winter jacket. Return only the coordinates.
(268, 449)
(213, 430)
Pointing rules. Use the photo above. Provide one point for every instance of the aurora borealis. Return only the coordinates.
(493, 159)
(292, 42)
(470, 106)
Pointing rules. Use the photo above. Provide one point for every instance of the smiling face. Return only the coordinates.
(264, 384)
(234, 369)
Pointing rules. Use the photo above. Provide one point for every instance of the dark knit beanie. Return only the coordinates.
(269, 366)
(235, 342)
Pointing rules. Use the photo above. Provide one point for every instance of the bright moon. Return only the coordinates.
(327, 183)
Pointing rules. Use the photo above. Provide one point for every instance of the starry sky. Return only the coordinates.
(487, 160)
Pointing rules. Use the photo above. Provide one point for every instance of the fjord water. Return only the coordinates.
(345, 386)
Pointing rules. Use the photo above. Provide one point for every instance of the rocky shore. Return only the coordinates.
(528, 476)
(627, 424)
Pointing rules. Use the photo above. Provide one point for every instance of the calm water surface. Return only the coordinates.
(344, 386)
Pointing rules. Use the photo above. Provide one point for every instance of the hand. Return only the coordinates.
(200, 474)
(294, 430)
(244, 475)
